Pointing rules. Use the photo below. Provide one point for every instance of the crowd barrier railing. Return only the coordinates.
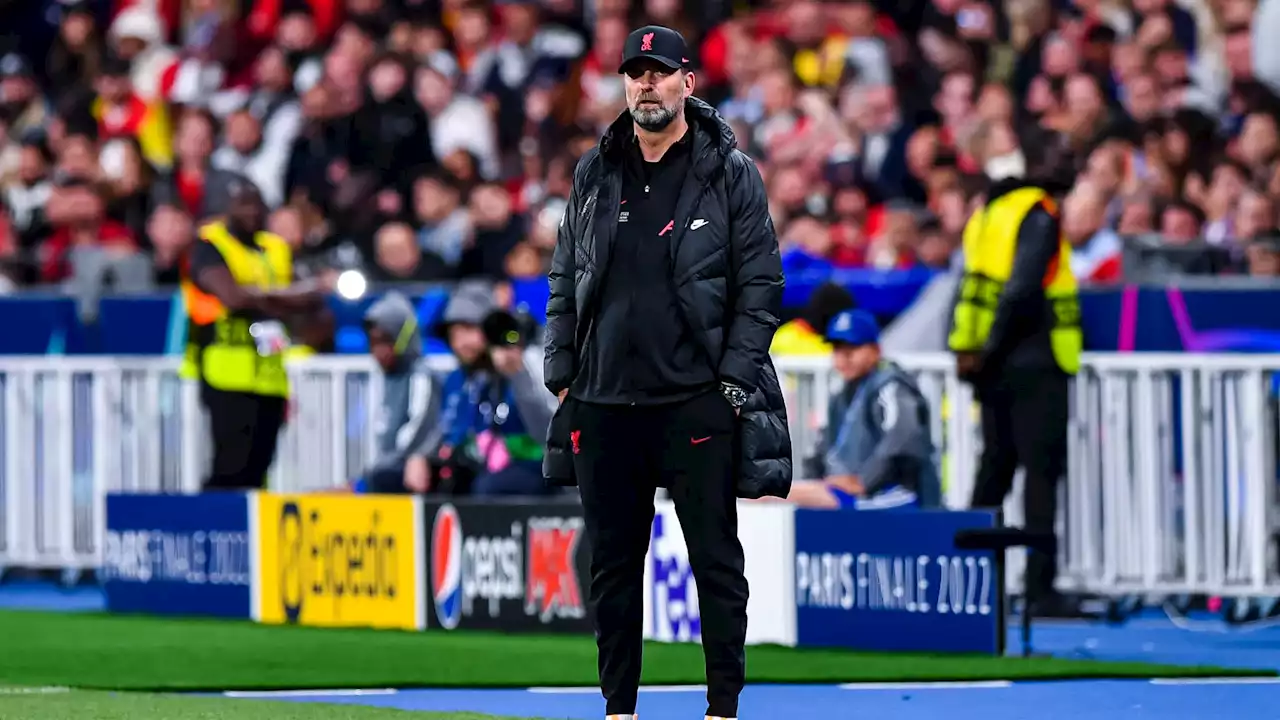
(1171, 485)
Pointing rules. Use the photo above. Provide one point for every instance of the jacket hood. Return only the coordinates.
(469, 305)
(713, 139)
(394, 315)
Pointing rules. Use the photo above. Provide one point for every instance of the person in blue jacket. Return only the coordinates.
(877, 452)
(497, 429)
(494, 408)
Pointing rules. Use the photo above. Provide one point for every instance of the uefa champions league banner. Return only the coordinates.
(893, 581)
(178, 555)
(671, 596)
(867, 580)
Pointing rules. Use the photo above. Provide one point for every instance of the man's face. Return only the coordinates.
(655, 93)
(1179, 226)
(854, 361)
(247, 211)
(1263, 261)
(195, 139)
(114, 88)
(467, 343)
(17, 89)
(382, 347)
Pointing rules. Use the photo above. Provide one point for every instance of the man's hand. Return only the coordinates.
(417, 474)
(507, 359)
(562, 395)
(968, 366)
(849, 483)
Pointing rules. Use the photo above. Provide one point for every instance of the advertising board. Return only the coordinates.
(178, 555)
(894, 581)
(513, 567)
(671, 595)
(331, 560)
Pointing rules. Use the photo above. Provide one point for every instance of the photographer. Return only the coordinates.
(434, 465)
(495, 409)
(514, 411)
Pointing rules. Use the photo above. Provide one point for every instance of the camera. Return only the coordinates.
(503, 329)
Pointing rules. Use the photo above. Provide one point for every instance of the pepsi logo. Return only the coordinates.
(446, 566)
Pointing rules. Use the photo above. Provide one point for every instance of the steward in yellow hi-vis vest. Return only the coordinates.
(1016, 335)
(237, 288)
(243, 350)
(1044, 285)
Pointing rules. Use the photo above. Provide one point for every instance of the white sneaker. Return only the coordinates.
(621, 717)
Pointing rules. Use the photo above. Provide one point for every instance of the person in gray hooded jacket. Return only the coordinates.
(877, 452)
(411, 396)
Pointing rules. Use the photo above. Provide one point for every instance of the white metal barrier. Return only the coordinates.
(1171, 485)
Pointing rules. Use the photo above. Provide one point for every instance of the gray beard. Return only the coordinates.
(653, 120)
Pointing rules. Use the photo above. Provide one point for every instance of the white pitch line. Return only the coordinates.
(307, 693)
(1217, 681)
(596, 690)
(977, 684)
(33, 690)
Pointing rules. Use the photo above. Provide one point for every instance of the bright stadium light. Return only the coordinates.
(352, 285)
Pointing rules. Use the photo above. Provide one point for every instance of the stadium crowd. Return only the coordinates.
(424, 140)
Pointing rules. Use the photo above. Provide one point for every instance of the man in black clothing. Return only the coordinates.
(666, 284)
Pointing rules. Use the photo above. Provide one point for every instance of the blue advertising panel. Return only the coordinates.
(894, 581)
(178, 555)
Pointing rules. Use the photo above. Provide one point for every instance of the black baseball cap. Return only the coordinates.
(661, 44)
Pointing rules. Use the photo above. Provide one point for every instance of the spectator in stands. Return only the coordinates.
(77, 212)
(194, 183)
(1264, 258)
(410, 396)
(506, 431)
(122, 113)
(243, 153)
(128, 182)
(444, 225)
(26, 110)
(75, 56)
(401, 259)
(877, 450)
(29, 194)
(1096, 250)
(438, 464)
(138, 35)
(802, 336)
(170, 234)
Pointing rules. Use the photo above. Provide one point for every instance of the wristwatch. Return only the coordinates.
(736, 396)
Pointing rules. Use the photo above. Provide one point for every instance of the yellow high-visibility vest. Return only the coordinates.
(990, 242)
(221, 349)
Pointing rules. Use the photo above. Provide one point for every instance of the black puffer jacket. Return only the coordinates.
(727, 275)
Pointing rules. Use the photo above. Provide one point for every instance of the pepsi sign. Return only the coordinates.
(513, 568)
